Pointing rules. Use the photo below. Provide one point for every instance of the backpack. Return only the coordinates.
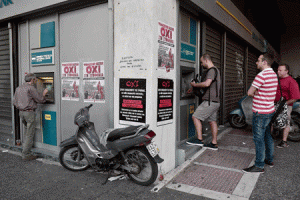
(199, 92)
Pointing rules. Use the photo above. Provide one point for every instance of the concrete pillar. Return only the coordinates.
(138, 27)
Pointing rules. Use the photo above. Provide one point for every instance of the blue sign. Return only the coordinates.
(5, 3)
(42, 58)
(188, 52)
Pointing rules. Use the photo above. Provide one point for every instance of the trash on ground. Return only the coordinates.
(120, 177)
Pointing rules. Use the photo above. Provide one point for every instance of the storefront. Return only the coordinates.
(132, 59)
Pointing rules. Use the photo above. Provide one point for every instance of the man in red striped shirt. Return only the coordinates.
(263, 90)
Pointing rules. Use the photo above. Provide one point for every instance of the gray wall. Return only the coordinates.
(84, 37)
(290, 50)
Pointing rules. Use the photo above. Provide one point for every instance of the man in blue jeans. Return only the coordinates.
(263, 91)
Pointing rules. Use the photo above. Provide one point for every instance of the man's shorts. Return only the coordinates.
(206, 111)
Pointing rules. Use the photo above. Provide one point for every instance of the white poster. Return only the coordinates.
(70, 69)
(70, 89)
(93, 69)
(93, 91)
(166, 46)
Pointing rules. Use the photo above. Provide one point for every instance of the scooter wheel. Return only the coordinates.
(72, 158)
(294, 134)
(237, 121)
(144, 168)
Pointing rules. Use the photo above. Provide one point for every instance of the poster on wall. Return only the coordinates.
(93, 91)
(132, 101)
(70, 89)
(166, 46)
(165, 93)
(93, 69)
(70, 69)
(93, 82)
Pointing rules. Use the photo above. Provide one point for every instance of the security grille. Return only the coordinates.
(252, 68)
(234, 75)
(213, 45)
(5, 91)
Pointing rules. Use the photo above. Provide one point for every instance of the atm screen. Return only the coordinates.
(46, 80)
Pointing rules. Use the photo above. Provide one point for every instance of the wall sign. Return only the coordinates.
(70, 69)
(5, 3)
(42, 58)
(132, 101)
(165, 101)
(188, 52)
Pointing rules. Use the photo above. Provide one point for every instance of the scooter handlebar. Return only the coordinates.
(89, 106)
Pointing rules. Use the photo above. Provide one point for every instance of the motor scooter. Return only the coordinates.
(242, 117)
(127, 150)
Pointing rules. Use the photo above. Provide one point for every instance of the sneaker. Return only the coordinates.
(254, 169)
(195, 142)
(211, 146)
(282, 144)
(29, 158)
(271, 164)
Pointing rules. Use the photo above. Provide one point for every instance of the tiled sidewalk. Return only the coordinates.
(217, 174)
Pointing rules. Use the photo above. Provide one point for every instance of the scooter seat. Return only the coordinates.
(122, 132)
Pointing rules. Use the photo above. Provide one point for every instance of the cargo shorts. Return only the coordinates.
(206, 111)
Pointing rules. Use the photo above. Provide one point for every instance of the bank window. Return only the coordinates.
(188, 29)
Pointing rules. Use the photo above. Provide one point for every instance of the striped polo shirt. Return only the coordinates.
(266, 84)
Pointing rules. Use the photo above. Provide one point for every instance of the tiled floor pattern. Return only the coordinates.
(220, 171)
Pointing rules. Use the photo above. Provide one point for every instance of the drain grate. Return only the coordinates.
(210, 178)
(226, 158)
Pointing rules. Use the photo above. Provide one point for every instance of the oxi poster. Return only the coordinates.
(132, 101)
(165, 93)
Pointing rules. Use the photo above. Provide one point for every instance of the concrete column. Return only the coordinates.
(137, 27)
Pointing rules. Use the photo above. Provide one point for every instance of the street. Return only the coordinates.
(46, 179)
(49, 180)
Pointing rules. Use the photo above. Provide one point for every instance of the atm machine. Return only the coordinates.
(46, 80)
(46, 120)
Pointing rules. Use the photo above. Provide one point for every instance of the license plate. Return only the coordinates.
(152, 149)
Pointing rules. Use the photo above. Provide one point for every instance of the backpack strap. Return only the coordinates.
(215, 79)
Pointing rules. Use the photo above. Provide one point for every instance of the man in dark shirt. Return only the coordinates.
(25, 99)
(208, 109)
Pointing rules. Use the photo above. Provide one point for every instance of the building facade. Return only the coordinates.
(132, 59)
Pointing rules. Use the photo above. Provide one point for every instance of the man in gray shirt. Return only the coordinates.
(25, 99)
(208, 109)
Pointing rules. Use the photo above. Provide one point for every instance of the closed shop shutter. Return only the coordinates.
(213, 45)
(234, 75)
(213, 48)
(252, 68)
(5, 91)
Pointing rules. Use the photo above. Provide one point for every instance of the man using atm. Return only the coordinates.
(25, 99)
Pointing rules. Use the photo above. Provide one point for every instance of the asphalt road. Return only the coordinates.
(48, 180)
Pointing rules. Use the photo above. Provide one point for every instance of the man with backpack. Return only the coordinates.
(209, 107)
(290, 91)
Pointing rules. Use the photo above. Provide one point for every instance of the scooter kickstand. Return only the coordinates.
(108, 175)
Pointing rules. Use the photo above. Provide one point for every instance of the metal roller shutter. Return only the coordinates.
(213, 45)
(234, 75)
(252, 68)
(213, 48)
(5, 91)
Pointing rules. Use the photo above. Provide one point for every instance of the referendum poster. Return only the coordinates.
(166, 46)
(70, 89)
(93, 91)
(70, 69)
(132, 101)
(93, 69)
(165, 93)
(93, 82)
